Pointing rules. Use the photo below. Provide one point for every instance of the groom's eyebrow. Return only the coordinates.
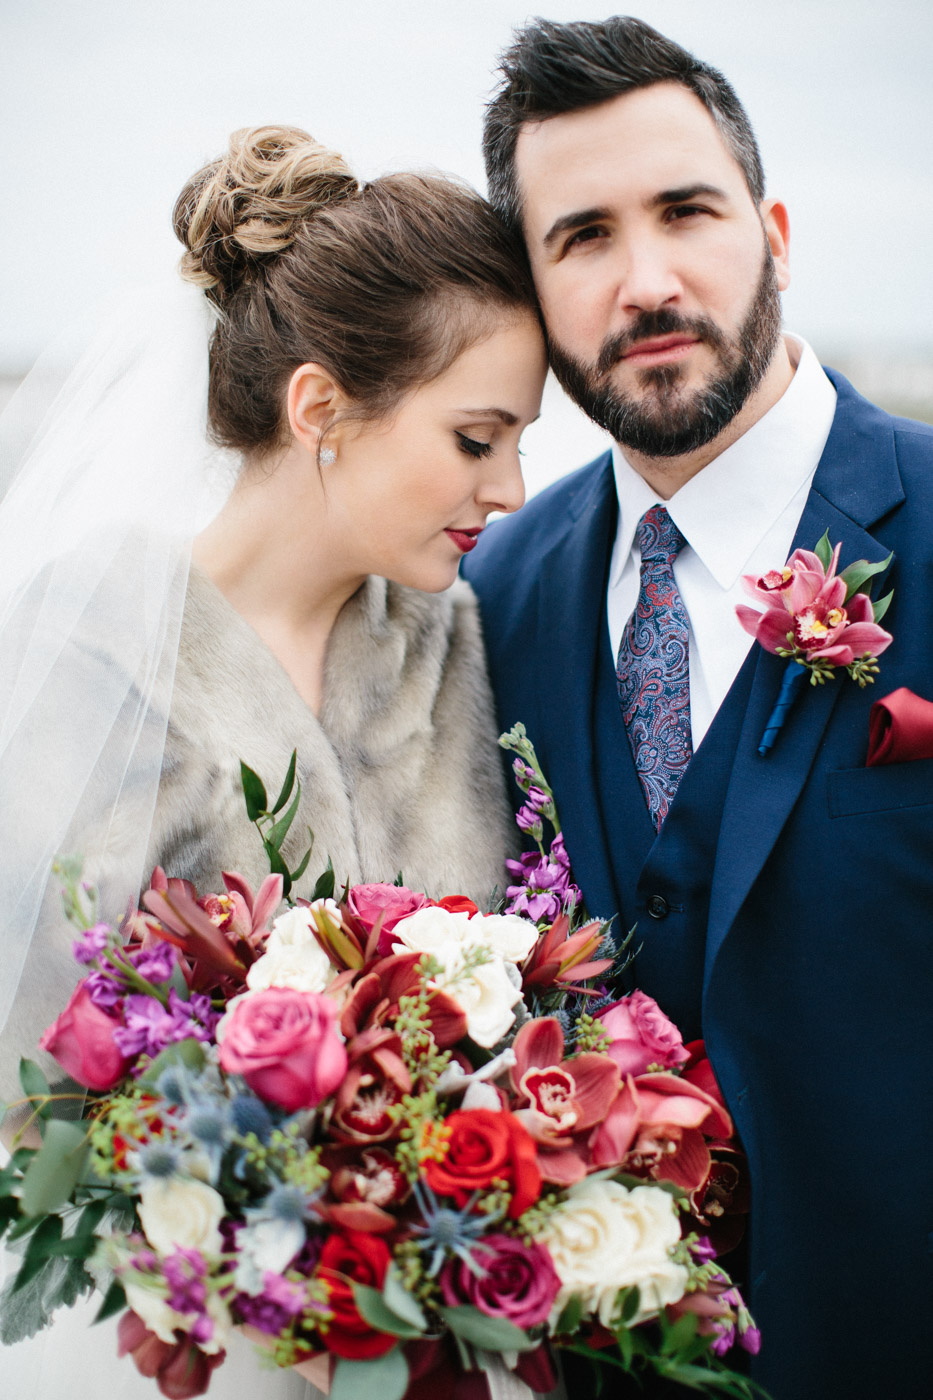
(568, 222)
(685, 193)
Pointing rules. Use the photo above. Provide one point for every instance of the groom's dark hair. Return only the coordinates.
(555, 68)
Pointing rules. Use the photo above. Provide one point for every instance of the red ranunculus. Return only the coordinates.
(347, 1258)
(486, 1146)
(456, 904)
(81, 1040)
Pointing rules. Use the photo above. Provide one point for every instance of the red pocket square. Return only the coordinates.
(900, 728)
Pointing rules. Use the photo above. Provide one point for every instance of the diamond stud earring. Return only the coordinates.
(327, 456)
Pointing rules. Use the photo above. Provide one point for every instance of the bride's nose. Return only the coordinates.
(502, 487)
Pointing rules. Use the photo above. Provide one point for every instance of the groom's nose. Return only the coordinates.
(645, 273)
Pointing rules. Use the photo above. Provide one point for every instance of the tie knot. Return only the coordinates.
(659, 539)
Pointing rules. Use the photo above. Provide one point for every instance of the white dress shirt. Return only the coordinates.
(738, 516)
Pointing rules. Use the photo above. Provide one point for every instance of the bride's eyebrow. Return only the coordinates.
(504, 416)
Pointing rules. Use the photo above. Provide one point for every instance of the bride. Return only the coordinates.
(374, 355)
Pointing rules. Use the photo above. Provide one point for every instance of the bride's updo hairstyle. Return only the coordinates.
(384, 284)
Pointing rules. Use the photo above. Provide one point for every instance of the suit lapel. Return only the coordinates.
(571, 610)
(856, 483)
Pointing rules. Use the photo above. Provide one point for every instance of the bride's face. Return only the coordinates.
(407, 498)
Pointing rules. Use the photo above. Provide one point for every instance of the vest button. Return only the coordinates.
(658, 906)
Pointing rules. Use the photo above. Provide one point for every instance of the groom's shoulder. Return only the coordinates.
(522, 538)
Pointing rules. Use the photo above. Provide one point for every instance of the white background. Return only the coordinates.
(106, 106)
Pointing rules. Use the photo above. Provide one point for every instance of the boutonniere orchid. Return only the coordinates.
(820, 620)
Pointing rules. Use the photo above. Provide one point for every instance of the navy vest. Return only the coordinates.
(662, 882)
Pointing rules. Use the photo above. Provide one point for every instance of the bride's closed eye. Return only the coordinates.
(472, 446)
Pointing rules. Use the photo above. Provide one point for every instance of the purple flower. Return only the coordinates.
(276, 1306)
(149, 1026)
(184, 1271)
(91, 944)
(508, 1279)
(104, 989)
(545, 883)
(156, 963)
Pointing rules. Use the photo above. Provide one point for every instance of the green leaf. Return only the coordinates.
(47, 1233)
(678, 1335)
(373, 1309)
(880, 608)
(278, 866)
(824, 551)
(9, 1210)
(53, 1173)
(631, 1304)
(490, 1333)
(302, 865)
(287, 786)
(253, 791)
(860, 572)
(189, 1053)
(35, 1085)
(385, 1378)
(114, 1301)
(277, 834)
(324, 885)
(571, 1317)
(400, 1301)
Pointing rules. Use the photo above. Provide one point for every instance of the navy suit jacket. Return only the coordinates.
(818, 976)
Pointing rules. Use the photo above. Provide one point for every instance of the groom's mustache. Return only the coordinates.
(651, 324)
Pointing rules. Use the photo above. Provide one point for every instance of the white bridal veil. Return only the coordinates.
(106, 473)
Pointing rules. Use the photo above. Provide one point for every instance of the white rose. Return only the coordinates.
(435, 931)
(507, 935)
(265, 1246)
(486, 994)
(295, 928)
(180, 1213)
(303, 966)
(605, 1237)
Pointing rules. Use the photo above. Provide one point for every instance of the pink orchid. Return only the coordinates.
(658, 1126)
(559, 1100)
(807, 615)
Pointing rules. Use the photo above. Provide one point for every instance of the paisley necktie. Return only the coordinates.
(652, 670)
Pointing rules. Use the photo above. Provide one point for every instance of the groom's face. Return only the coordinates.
(657, 272)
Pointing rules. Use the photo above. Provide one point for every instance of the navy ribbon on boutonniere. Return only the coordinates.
(820, 620)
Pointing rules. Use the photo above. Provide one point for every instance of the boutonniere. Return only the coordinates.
(820, 620)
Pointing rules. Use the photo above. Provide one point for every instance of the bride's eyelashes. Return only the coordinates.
(472, 446)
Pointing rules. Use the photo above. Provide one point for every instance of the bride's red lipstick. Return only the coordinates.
(465, 539)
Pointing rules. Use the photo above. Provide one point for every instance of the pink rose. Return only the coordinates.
(82, 1042)
(392, 902)
(286, 1046)
(642, 1035)
(518, 1281)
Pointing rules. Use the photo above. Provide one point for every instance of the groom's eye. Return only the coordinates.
(584, 235)
(472, 446)
(684, 211)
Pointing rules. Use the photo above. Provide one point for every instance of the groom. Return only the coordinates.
(784, 904)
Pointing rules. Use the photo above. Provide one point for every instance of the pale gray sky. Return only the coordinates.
(108, 105)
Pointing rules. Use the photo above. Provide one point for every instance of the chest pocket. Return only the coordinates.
(891, 787)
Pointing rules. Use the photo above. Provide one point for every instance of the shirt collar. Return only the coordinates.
(752, 482)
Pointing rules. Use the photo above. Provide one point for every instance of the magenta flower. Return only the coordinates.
(545, 883)
(808, 615)
(508, 1278)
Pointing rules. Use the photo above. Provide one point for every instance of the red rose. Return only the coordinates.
(347, 1258)
(456, 904)
(484, 1146)
(82, 1042)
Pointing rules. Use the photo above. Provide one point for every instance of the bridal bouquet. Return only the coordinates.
(409, 1138)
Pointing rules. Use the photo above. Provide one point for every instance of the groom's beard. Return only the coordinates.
(665, 420)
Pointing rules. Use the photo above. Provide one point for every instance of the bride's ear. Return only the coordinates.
(313, 399)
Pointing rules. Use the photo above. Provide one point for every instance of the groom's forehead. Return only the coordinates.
(632, 147)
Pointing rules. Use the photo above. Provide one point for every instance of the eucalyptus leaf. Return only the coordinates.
(385, 1378)
(490, 1333)
(35, 1085)
(373, 1309)
(400, 1301)
(254, 792)
(189, 1053)
(287, 786)
(824, 551)
(53, 1173)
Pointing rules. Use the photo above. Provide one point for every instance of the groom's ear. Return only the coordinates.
(313, 399)
(776, 223)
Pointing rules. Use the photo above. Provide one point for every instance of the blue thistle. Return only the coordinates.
(449, 1231)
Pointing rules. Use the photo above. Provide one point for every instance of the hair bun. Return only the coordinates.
(250, 203)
